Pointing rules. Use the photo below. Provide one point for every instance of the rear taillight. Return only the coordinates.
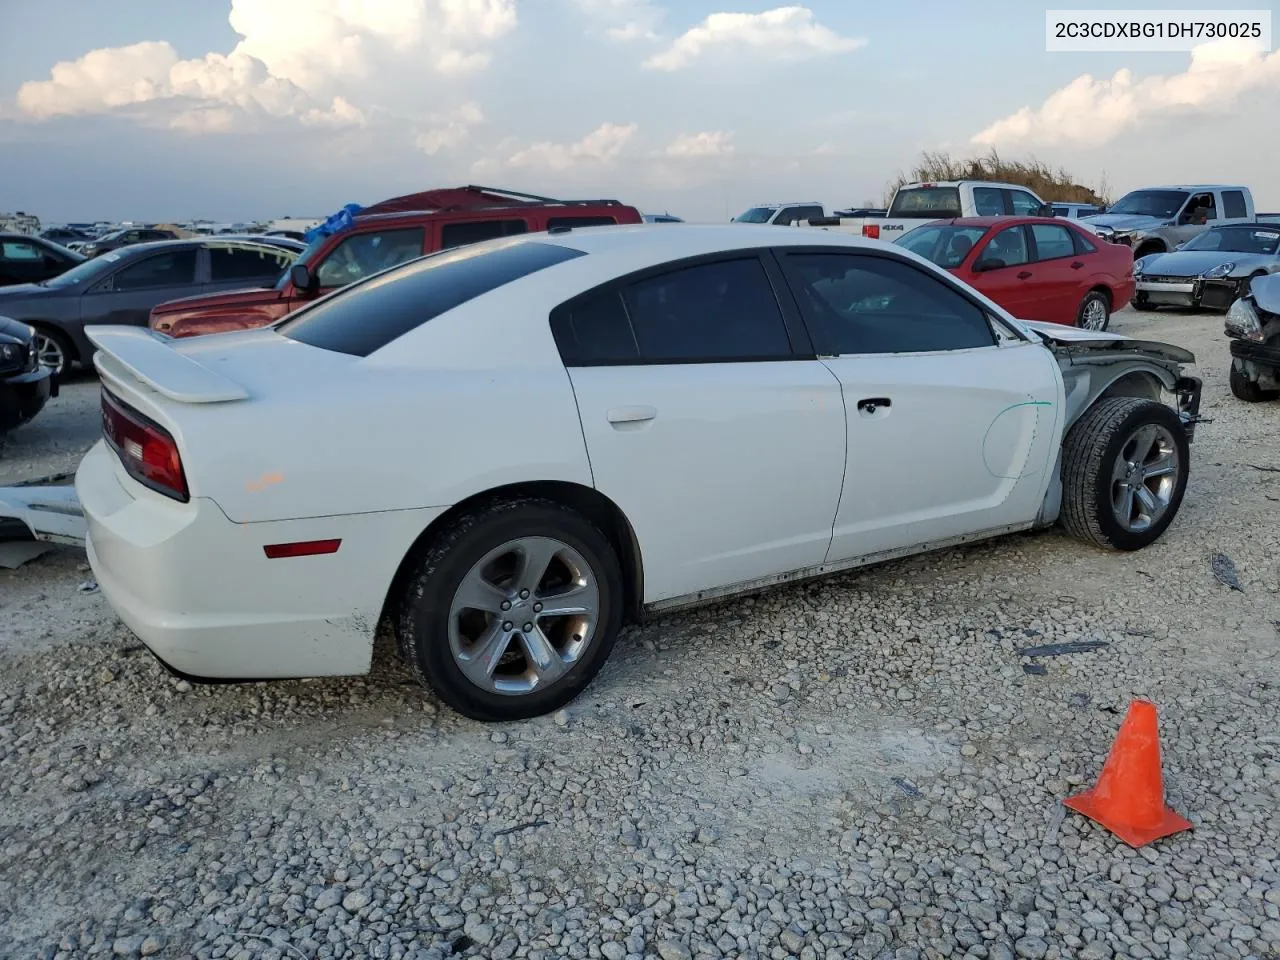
(146, 449)
(871, 231)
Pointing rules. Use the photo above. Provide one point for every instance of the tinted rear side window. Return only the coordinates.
(723, 311)
(594, 330)
(370, 314)
(1233, 205)
(473, 231)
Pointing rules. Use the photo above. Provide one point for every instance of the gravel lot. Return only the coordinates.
(854, 768)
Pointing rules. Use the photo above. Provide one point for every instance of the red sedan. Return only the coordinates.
(1037, 268)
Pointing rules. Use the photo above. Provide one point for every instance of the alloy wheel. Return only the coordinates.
(1095, 315)
(524, 615)
(1144, 477)
(50, 352)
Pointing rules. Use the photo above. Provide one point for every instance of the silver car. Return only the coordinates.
(1210, 270)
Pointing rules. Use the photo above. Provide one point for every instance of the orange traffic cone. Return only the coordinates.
(1129, 797)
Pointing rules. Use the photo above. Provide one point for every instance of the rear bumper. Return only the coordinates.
(24, 395)
(200, 593)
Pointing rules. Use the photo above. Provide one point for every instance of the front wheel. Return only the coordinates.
(54, 350)
(1242, 388)
(1095, 311)
(513, 610)
(1124, 472)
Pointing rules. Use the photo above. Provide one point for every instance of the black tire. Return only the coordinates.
(1090, 298)
(1093, 446)
(1140, 302)
(1242, 388)
(423, 620)
(62, 342)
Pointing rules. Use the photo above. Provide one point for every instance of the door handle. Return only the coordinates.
(872, 405)
(631, 414)
(1077, 265)
(1024, 274)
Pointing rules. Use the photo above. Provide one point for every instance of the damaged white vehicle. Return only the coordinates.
(509, 449)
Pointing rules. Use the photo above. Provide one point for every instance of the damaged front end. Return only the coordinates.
(1096, 365)
(1253, 324)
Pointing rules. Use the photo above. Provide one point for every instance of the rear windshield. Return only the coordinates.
(932, 202)
(370, 313)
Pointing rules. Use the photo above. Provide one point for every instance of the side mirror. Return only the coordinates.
(990, 263)
(302, 279)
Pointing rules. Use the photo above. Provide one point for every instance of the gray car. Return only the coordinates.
(1211, 270)
(121, 287)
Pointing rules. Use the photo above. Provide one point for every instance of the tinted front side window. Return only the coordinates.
(173, 269)
(474, 231)
(858, 304)
(714, 311)
(363, 254)
(369, 315)
(227, 264)
(1052, 241)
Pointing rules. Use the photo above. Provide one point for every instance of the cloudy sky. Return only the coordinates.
(240, 109)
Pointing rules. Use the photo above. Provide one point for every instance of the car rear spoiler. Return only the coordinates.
(140, 354)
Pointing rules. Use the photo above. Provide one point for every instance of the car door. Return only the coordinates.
(707, 421)
(238, 266)
(951, 424)
(1061, 280)
(1003, 271)
(127, 296)
(1190, 223)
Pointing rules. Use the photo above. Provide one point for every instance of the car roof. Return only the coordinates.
(1194, 186)
(1263, 224)
(151, 246)
(557, 208)
(634, 246)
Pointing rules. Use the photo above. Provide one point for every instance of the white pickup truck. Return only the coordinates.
(915, 204)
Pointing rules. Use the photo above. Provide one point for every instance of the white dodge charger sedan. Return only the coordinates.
(510, 449)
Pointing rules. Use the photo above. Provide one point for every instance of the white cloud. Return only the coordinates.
(784, 33)
(601, 146)
(340, 114)
(451, 130)
(204, 120)
(709, 143)
(627, 20)
(292, 58)
(1101, 110)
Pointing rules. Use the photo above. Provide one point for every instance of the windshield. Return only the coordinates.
(945, 246)
(757, 215)
(1162, 204)
(1242, 239)
(305, 257)
(86, 272)
(932, 202)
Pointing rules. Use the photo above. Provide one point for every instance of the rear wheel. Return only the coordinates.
(1095, 311)
(1124, 472)
(1242, 388)
(513, 610)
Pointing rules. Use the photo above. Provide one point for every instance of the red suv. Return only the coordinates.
(381, 236)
